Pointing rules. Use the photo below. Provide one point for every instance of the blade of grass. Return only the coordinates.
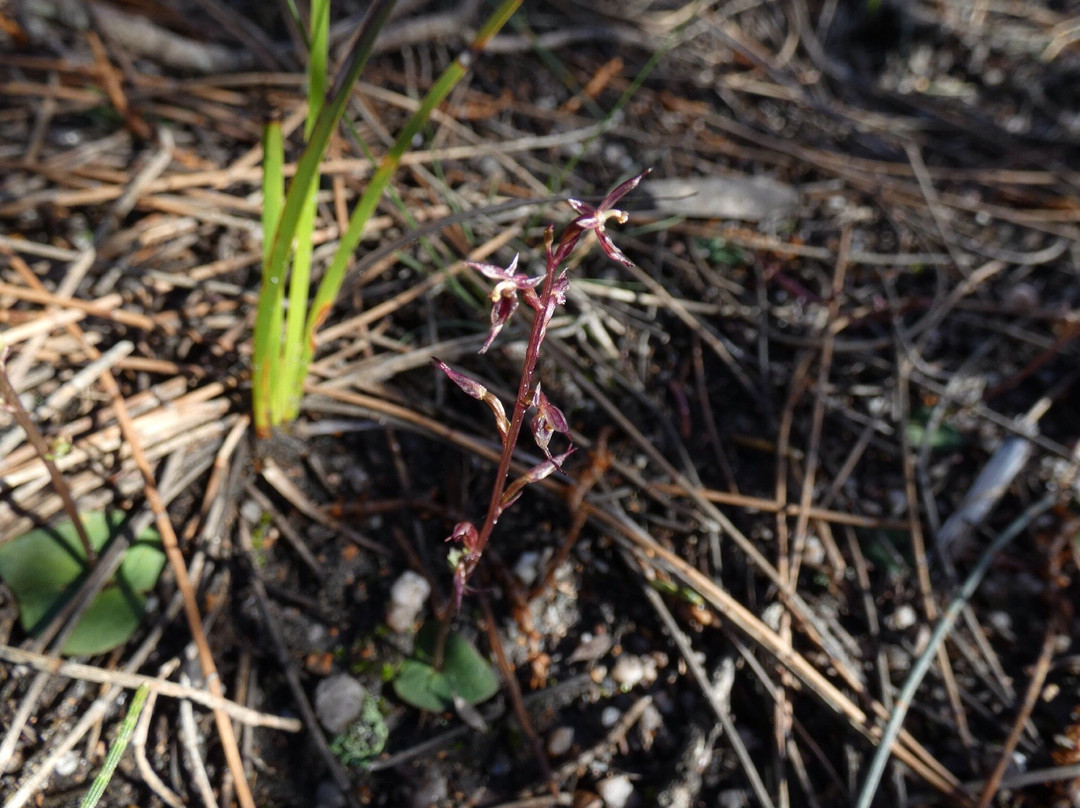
(269, 306)
(335, 275)
(290, 373)
(123, 737)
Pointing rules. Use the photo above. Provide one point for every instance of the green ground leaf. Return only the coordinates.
(464, 672)
(45, 567)
(945, 438)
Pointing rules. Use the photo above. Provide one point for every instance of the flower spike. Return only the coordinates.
(543, 295)
(595, 219)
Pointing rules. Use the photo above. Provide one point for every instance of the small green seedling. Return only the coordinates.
(46, 567)
(464, 672)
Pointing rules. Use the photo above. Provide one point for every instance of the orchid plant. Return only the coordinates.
(543, 294)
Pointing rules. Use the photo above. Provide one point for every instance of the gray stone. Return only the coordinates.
(339, 701)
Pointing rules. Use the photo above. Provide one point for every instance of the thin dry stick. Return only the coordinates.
(881, 664)
(73, 275)
(96, 309)
(189, 740)
(138, 744)
(833, 326)
(131, 681)
(941, 218)
(514, 689)
(708, 337)
(918, 547)
(1042, 668)
(613, 740)
(281, 483)
(782, 715)
(285, 527)
(37, 440)
(82, 380)
(787, 508)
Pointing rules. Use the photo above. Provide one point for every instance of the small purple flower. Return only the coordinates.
(504, 295)
(463, 560)
(465, 532)
(595, 219)
(547, 421)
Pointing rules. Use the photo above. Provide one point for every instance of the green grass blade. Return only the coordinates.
(268, 318)
(116, 751)
(318, 54)
(335, 275)
(289, 374)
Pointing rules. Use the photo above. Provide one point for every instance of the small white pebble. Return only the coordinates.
(560, 740)
(897, 658)
(732, 798)
(527, 567)
(628, 671)
(251, 511)
(772, 614)
(67, 764)
(610, 716)
(615, 791)
(814, 551)
(1002, 623)
(651, 719)
(407, 598)
(904, 617)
